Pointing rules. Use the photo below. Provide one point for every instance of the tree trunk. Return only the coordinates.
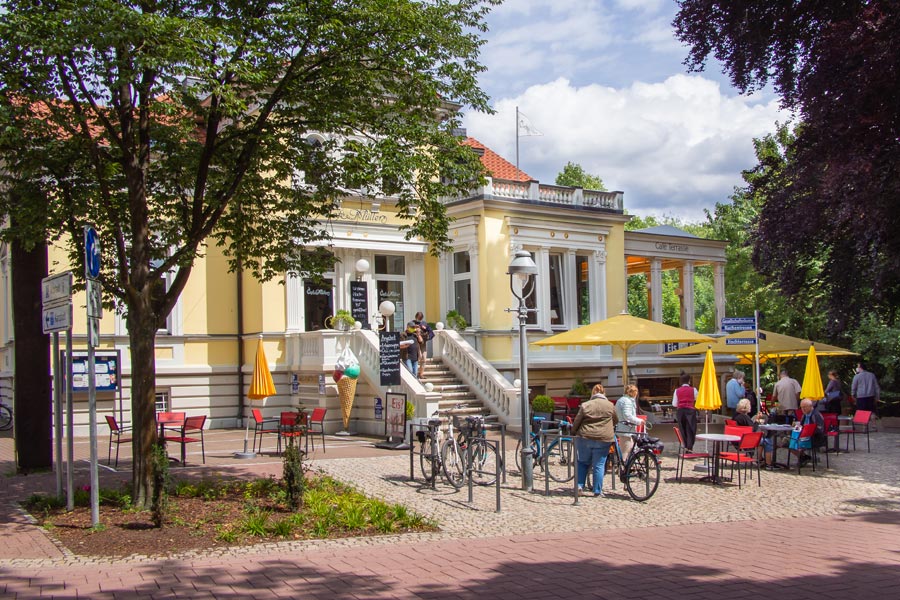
(142, 325)
(34, 406)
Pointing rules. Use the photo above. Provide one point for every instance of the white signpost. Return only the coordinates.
(56, 316)
(91, 272)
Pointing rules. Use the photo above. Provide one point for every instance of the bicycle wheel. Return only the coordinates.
(5, 417)
(560, 461)
(484, 463)
(453, 464)
(426, 458)
(642, 475)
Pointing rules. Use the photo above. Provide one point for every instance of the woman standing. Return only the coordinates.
(593, 428)
(626, 414)
(683, 400)
(833, 394)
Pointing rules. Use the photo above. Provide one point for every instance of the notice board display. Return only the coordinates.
(107, 377)
(389, 351)
(359, 302)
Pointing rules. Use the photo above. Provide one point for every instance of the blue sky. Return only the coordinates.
(603, 80)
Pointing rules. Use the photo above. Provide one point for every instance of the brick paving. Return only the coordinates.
(826, 535)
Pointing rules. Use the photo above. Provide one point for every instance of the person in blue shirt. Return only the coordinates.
(734, 392)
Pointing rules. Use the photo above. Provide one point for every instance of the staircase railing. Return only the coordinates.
(484, 381)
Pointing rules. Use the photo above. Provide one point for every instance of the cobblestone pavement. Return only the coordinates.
(815, 535)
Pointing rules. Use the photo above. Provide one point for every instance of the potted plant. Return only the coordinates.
(410, 410)
(542, 406)
(580, 389)
(342, 320)
(456, 321)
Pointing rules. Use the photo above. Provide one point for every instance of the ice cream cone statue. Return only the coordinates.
(346, 373)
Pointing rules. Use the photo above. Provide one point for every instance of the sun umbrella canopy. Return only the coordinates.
(708, 396)
(622, 331)
(261, 385)
(776, 346)
(812, 378)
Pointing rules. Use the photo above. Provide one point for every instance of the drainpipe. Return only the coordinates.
(240, 341)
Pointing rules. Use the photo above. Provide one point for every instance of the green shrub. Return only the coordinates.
(542, 404)
(456, 321)
(294, 479)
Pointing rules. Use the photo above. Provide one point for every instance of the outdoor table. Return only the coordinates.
(774, 430)
(717, 439)
(172, 419)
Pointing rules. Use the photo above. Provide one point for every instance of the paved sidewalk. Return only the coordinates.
(823, 535)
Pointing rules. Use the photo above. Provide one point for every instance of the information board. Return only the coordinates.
(359, 302)
(396, 416)
(389, 351)
(107, 375)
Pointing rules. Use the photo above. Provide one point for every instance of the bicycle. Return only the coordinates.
(640, 469)
(471, 439)
(437, 455)
(6, 417)
(558, 458)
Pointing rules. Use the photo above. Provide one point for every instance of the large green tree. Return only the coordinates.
(171, 125)
(829, 219)
(574, 175)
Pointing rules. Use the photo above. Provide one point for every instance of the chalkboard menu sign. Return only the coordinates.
(390, 357)
(359, 302)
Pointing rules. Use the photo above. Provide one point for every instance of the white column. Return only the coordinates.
(570, 276)
(687, 290)
(656, 290)
(543, 288)
(293, 291)
(341, 287)
(445, 278)
(476, 285)
(719, 291)
(598, 286)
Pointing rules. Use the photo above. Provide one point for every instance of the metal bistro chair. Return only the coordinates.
(263, 426)
(316, 425)
(115, 436)
(747, 455)
(291, 427)
(683, 455)
(860, 423)
(191, 425)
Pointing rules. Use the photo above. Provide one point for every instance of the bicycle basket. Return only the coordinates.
(467, 426)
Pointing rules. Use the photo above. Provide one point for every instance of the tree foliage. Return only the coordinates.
(174, 125)
(827, 225)
(574, 175)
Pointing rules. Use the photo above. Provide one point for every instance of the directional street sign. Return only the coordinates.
(57, 318)
(94, 306)
(56, 289)
(739, 341)
(738, 323)
(93, 332)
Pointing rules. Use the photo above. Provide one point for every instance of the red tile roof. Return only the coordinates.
(498, 166)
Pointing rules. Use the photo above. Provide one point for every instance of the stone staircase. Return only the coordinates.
(451, 389)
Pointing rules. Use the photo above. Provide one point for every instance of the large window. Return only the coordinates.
(318, 303)
(462, 285)
(582, 290)
(390, 273)
(557, 281)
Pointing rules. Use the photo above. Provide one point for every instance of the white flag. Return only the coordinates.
(525, 126)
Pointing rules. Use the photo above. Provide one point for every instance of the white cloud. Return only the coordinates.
(673, 147)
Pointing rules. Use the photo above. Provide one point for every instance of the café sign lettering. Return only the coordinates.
(672, 247)
(360, 215)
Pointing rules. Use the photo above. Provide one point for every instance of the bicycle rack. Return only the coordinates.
(470, 471)
(432, 429)
(501, 458)
(548, 434)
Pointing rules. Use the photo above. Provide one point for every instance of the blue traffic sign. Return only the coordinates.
(91, 252)
(739, 341)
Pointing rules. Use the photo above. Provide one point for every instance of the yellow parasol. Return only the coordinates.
(261, 387)
(708, 396)
(623, 331)
(812, 378)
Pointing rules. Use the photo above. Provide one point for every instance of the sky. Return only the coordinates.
(604, 82)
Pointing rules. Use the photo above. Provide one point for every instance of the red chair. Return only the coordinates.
(832, 430)
(560, 408)
(263, 426)
(290, 427)
(804, 442)
(317, 425)
(572, 404)
(860, 423)
(115, 436)
(682, 456)
(191, 425)
(730, 423)
(746, 455)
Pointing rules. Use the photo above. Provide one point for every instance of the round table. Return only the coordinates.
(717, 439)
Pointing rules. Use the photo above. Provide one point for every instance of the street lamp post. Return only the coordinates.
(522, 268)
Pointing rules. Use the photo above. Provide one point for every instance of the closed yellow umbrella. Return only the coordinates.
(261, 387)
(708, 396)
(812, 378)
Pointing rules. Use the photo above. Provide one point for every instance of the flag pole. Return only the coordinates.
(517, 142)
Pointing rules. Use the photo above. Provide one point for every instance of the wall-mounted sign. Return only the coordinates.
(359, 302)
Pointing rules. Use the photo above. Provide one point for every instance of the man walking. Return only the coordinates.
(865, 388)
(734, 392)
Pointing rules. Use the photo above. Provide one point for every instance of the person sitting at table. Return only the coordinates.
(743, 419)
(626, 413)
(811, 416)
